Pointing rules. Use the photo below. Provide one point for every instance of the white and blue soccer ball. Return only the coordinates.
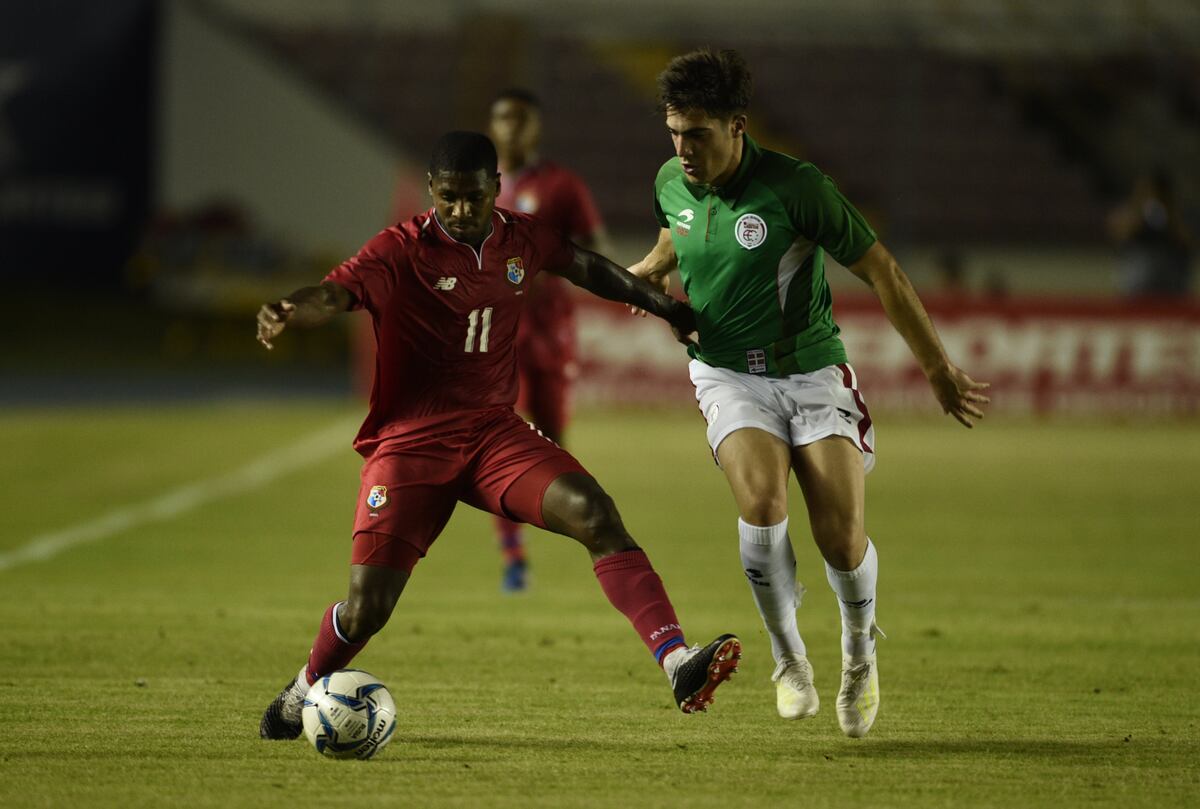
(349, 714)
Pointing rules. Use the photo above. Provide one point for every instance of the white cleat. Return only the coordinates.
(858, 699)
(795, 696)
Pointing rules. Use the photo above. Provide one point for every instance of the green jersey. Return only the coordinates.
(752, 259)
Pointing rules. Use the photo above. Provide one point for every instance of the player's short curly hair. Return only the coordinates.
(717, 83)
(465, 152)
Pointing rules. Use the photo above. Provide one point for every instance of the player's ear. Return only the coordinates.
(429, 178)
(738, 126)
(496, 184)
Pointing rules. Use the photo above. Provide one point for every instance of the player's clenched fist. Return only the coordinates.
(683, 323)
(272, 318)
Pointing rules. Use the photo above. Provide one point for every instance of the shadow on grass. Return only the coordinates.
(1042, 749)
(996, 749)
(501, 742)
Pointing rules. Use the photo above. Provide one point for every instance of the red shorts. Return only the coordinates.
(545, 398)
(546, 359)
(411, 483)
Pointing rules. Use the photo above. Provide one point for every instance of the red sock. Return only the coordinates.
(635, 589)
(511, 544)
(329, 652)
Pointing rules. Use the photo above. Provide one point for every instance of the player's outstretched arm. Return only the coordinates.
(307, 307)
(656, 267)
(602, 277)
(958, 394)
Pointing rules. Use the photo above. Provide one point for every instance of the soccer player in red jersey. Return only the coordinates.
(546, 337)
(445, 291)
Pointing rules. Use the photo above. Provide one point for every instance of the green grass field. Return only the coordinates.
(1040, 587)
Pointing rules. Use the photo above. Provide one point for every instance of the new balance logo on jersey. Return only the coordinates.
(445, 284)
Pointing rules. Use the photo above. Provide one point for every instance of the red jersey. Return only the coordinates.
(445, 317)
(559, 198)
(553, 194)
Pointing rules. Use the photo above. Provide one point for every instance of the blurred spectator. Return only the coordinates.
(214, 236)
(951, 271)
(995, 284)
(1154, 244)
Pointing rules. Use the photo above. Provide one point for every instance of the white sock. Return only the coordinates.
(855, 590)
(301, 683)
(672, 660)
(770, 567)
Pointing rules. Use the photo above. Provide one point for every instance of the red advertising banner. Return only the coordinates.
(1041, 355)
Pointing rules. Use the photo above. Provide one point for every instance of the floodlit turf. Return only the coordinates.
(1040, 587)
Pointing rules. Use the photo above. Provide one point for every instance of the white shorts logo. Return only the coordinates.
(750, 231)
(713, 412)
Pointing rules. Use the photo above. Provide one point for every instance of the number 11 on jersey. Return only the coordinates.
(473, 324)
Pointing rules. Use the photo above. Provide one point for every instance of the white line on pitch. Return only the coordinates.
(265, 469)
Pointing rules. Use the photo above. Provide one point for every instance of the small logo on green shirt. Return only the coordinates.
(683, 221)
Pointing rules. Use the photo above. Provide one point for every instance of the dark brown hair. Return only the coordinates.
(717, 83)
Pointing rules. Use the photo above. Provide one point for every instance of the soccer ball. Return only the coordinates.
(349, 714)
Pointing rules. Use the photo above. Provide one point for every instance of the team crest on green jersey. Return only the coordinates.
(750, 230)
(516, 270)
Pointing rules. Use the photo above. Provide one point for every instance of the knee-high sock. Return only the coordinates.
(770, 567)
(635, 589)
(330, 651)
(856, 596)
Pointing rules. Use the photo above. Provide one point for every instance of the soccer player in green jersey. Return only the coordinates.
(748, 230)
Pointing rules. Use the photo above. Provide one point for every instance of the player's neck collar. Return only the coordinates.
(737, 183)
(491, 229)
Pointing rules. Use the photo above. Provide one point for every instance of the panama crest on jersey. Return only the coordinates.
(750, 230)
(377, 498)
(516, 270)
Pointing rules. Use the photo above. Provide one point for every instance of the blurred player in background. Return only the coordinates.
(445, 291)
(1153, 239)
(748, 230)
(546, 340)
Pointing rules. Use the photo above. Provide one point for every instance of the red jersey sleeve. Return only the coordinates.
(552, 250)
(370, 275)
(584, 216)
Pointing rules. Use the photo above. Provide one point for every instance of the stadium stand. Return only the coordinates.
(929, 132)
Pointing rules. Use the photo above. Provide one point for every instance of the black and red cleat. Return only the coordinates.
(697, 676)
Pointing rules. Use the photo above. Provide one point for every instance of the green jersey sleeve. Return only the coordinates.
(820, 212)
(669, 170)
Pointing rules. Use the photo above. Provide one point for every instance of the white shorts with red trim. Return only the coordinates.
(798, 409)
